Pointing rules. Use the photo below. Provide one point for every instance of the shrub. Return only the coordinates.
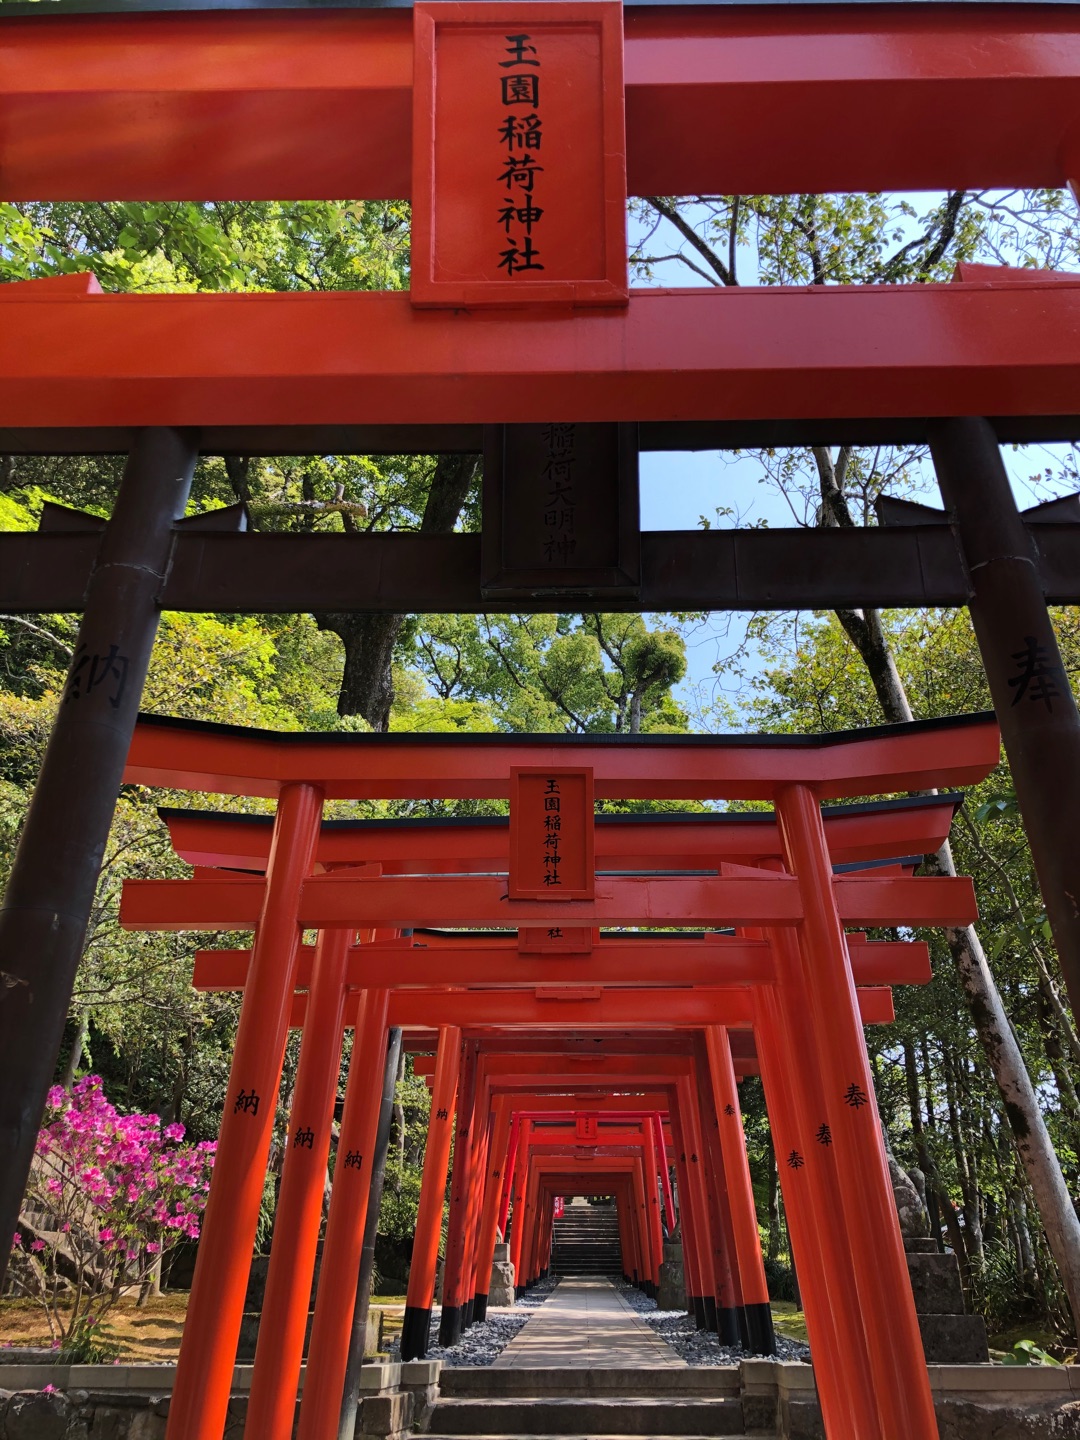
(111, 1194)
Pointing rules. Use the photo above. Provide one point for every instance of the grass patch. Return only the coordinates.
(789, 1320)
(150, 1336)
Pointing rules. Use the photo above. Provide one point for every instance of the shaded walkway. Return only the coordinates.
(587, 1324)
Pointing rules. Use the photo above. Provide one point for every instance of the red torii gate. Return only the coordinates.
(863, 1326)
(693, 98)
(756, 1328)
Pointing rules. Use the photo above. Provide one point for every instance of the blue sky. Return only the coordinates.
(677, 489)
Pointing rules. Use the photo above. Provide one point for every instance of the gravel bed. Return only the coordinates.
(482, 1344)
(698, 1347)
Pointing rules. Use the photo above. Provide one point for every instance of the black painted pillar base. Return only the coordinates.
(728, 1328)
(761, 1339)
(701, 1318)
(415, 1333)
(469, 1310)
(711, 1320)
(451, 1326)
(519, 1291)
(480, 1304)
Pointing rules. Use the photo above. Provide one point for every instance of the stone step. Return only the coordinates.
(623, 1436)
(641, 1416)
(586, 1252)
(487, 1382)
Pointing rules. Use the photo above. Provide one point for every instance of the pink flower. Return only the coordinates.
(18, 1239)
(49, 1390)
(54, 1186)
(37, 1246)
(175, 1131)
(152, 1247)
(105, 1236)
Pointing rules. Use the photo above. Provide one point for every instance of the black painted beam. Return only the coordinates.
(654, 435)
(902, 567)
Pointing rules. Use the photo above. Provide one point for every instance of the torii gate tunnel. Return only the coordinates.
(518, 131)
(549, 963)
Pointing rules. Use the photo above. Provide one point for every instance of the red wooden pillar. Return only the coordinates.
(497, 1168)
(536, 1235)
(652, 1195)
(894, 1344)
(690, 1230)
(625, 1250)
(416, 1325)
(812, 1209)
(328, 1353)
(705, 1299)
(549, 1239)
(528, 1228)
(452, 1322)
(723, 1300)
(508, 1174)
(731, 1323)
(656, 1123)
(271, 1410)
(481, 1145)
(740, 1193)
(521, 1170)
(634, 1209)
(204, 1372)
(640, 1202)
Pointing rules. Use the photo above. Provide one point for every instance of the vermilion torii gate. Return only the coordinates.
(797, 991)
(356, 99)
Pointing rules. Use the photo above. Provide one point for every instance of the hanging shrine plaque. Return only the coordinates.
(561, 511)
(551, 834)
(519, 155)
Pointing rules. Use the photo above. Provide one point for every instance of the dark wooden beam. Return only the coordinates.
(903, 567)
(654, 435)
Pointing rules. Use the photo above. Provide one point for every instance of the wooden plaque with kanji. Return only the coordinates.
(551, 834)
(519, 154)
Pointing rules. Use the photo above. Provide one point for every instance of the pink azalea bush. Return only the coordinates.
(114, 1194)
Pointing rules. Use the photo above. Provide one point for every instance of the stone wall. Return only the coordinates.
(131, 1402)
(102, 1402)
(973, 1402)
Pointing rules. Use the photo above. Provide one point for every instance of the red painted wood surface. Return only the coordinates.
(875, 962)
(242, 842)
(736, 99)
(480, 902)
(1000, 349)
(189, 755)
(551, 837)
(519, 154)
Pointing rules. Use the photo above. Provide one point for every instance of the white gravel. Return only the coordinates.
(698, 1347)
(482, 1344)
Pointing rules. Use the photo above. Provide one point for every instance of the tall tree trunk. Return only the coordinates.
(927, 1165)
(367, 686)
(964, 1170)
(77, 1047)
(1003, 1055)
(772, 1249)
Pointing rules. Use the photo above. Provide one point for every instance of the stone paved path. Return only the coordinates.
(586, 1324)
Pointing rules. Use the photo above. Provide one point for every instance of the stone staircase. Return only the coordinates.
(586, 1241)
(526, 1404)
